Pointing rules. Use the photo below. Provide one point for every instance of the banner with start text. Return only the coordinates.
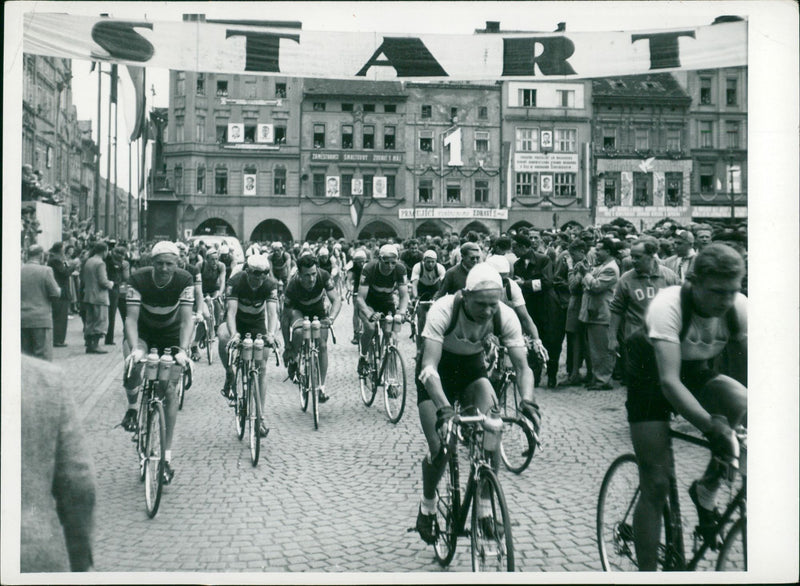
(284, 48)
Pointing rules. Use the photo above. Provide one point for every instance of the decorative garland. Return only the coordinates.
(450, 171)
(346, 202)
(538, 202)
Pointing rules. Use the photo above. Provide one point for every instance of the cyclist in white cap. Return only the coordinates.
(426, 278)
(160, 300)
(353, 269)
(452, 369)
(380, 279)
(252, 298)
(281, 262)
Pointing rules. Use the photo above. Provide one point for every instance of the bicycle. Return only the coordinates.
(491, 541)
(519, 438)
(308, 375)
(417, 321)
(151, 429)
(618, 497)
(385, 367)
(247, 361)
(205, 337)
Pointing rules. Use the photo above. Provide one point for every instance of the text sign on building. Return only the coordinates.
(358, 157)
(541, 163)
(454, 213)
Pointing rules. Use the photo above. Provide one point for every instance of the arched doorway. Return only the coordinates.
(324, 230)
(270, 231)
(216, 226)
(430, 228)
(377, 229)
(475, 226)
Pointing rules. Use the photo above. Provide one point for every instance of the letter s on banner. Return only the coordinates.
(122, 41)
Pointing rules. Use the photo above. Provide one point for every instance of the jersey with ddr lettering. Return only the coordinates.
(250, 314)
(302, 299)
(381, 286)
(159, 306)
(427, 281)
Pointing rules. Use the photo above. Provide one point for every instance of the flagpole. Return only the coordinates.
(414, 182)
(108, 172)
(117, 228)
(130, 194)
(97, 163)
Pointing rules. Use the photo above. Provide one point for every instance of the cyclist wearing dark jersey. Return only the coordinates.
(281, 262)
(354, 269)
(252, 299)
(184, 264)
(380, 279)
(668, 371)
(305, 297)
(159, 302)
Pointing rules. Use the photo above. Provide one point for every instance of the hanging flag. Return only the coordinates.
(138, 79)
(114, 84)
(356, 209)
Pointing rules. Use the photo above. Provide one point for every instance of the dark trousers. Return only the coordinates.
(37, 342)
(60, 319)
(113, 301)
(553, 337)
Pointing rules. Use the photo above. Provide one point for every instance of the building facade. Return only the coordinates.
(718, 140)
(547, 132)
(453, 139)
(640, 144)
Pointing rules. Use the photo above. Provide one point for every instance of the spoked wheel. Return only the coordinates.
(210, 347)
(445, 546)
(302, 382)
(240, 405)
(313, 387)
(154, 459)
(619, 494)
(367, 381)
(141, 438)
(180, 390)
(517, 446)
(253, 419)
(733, 554)
(490, 537)
(394, 385)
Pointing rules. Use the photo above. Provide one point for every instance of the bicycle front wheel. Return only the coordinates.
(313, 387)
(141, 435)
(517, 444)
(444, 548)
(240, 405)
(209, 346)
(154, 459)
(302, 380)
(253, 418)
(733, 554)
(366, 381)
(492, 544)
(180, 390)
(619, 494)
(394, 385)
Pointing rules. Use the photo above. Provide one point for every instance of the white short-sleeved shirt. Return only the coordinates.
(706, 336)
(467, 337)
(516, 300)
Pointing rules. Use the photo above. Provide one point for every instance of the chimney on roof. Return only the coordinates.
(727, 18)
(194, 17)
(492, 26)
(561, 27)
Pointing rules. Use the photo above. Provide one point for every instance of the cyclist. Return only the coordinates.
(252, 297)
(668, 371)
(159, 303)
(354, 268)
(426, 278)
(226, 258)
(305, 297)
(379, 280)
(456, 276)
(212, 275)
(452, 369)
(183, 263)
(281, 262)
(329, 264)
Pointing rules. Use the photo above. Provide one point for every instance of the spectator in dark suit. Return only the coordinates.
(118, 271)
(455, 278)
(533, 272)
(95, 298)
(62, 272)
(38, 290)
(58, 480)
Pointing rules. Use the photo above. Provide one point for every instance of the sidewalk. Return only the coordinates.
(87, 376)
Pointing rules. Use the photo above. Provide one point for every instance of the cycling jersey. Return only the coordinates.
(381, 286)
(427, 281)
(356, 269)
(280, 265)
(209, 274)
(309, 302)
(159, 313)
(250, 315)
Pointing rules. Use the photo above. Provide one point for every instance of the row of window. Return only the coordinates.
(642, 139)
(642, 189)
(706, 134)
(526, 98)
(540, 184)
(452, 191)
(250, 86)
(707, 95)
(559, 140)
(220, 178)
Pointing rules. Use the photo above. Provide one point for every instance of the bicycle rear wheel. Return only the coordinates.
(619, 494)
(210, 346)
(444, 548)
(367, 382)
(154, 459)
(733, 553)
(492, 544)
(313, 387)
(517, 444)
(394, 385)
(253, 418)
(240, 404)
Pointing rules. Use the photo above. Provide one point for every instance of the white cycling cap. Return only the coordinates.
(430, 254)
(499, 263)
(483, 277)
(323, 252)
(359, 254)
(388, 250)
(258, 262)
(164, 247)
(277, 244)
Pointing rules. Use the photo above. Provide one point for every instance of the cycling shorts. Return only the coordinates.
(646, 401)
(457, 372)
(311, 311)
(245, 326)
(384, 306)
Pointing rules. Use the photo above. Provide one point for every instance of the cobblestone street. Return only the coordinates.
(339, 499)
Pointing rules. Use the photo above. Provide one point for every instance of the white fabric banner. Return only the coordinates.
(245, 47)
